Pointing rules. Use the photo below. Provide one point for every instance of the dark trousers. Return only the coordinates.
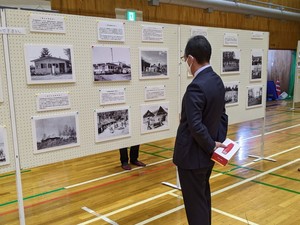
(196, 195)
(134, 154)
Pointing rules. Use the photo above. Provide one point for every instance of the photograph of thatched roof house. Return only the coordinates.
(154, 117)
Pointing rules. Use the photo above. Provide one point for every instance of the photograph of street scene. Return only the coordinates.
(111, 63)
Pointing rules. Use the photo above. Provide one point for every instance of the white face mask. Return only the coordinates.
(189, 68)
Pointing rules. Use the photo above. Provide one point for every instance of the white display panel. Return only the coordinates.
(84, 91)
(297, 76)
(247, 40)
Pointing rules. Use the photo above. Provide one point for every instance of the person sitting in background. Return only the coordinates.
(134, 154)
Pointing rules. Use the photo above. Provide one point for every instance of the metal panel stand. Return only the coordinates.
(13, 122)
(261, 157)
(177, 186)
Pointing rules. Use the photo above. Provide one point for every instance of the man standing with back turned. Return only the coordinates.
(202, 128)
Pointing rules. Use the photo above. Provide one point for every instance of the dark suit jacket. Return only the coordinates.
(203, 121)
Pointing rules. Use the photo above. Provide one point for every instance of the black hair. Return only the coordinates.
(198, 47)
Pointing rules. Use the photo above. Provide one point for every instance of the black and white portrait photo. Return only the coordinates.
(230, 61)
(256, 64)
(4, 157)
(154, 117)
(55, 132)
(153, 63)
(111, 63)
(231, 93)
(254, 96)
(49, 64)
(112, 124)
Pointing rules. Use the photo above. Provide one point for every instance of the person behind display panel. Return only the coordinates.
(134, 154)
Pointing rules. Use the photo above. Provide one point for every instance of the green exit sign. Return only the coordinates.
(131, 15)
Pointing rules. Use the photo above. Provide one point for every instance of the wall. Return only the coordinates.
(175, 14)
(279, 66)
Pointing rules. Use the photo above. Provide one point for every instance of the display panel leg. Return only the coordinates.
(261, 157)
(177, 185)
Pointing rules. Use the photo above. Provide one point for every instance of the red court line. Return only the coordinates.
(90, 188)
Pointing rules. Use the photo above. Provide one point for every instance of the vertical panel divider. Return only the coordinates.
(13, 121)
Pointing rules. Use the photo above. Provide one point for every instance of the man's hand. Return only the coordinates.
(219, 144)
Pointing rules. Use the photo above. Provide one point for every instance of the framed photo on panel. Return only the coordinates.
(4, 156)
(112, 124)
(46, 64)
(256, 64)
(254, 94)
(154, 117)
(230, 61)
(231, 93)
(111, 63)
(153, 63)
(55, 132)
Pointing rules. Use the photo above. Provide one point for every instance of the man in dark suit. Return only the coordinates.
(202, 128)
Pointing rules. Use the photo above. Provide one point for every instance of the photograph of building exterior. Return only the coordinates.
(153, 63)
(154, 117)
(49, 64)
(111, 63)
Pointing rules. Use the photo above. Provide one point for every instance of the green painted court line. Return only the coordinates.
(152, 145)
(33, 196)
(266, 184)
(277, 187)
(11, 174)
(260, 171)
(154, 154)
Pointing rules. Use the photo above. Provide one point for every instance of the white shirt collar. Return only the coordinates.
(201, 69)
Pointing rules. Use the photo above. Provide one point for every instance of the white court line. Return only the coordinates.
(221, 212)
(253, 178)
(114, 174)
(129, 206)
(99, 215)
(165, 160)
(271, 132)
(234, 217)
(161, 215)
(180, 207)
(271, 156)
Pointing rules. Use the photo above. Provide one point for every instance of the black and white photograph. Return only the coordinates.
(256, 64)
(1, 90)
(254, 96)
(55, 132)
(154, 117)
(4, 157)
(112, 124)
(153, 63)
(231, 93)
(111, 63)
(230, 61)
(47, 64)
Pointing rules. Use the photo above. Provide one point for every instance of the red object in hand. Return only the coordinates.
(228, 148)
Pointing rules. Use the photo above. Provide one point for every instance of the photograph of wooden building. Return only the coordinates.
(49, 64)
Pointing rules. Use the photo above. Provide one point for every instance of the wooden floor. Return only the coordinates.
(95, 190)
